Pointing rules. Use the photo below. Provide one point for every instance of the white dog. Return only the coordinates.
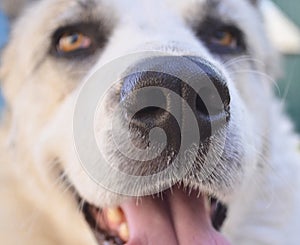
(200, 70)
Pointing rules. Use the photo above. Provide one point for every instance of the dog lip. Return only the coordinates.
(218, 213)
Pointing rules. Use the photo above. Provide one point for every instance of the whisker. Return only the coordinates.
(81, 205)
(268, 77)
(245, 58)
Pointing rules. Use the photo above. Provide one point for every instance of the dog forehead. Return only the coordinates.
(165, 9)
(154, 3)
(127, 6)
(154, 10)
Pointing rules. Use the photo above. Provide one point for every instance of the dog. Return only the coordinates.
(210, 158)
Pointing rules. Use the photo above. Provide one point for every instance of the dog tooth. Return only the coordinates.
(124, 232)
(115, 216)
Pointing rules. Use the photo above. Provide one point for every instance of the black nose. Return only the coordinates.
(158, 92)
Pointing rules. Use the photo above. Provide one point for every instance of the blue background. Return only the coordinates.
(3, 29)
(3, 36)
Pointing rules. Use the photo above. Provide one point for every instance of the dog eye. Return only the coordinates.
(225, 38)
(220, 38)
(70, 42)
(78, 41)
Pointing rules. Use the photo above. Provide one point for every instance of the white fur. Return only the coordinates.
(40, 92)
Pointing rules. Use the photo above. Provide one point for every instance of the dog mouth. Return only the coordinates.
(175, 217)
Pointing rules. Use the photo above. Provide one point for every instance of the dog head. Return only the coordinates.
(184, 100)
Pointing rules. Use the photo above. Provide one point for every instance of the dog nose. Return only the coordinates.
(158, 95)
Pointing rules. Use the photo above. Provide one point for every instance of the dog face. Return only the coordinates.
(220, 43)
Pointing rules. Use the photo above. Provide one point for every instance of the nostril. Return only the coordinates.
(200, 107)
(209, 102)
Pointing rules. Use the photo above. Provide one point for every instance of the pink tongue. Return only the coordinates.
(177, 220)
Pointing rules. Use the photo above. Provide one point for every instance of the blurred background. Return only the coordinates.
(3, 38)
(289, 87)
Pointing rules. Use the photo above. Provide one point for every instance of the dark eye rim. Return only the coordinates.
(92, 30)
(238, 36)
(209, 27)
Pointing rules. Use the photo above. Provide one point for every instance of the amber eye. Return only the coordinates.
(71, 42)
(221, 38)
(225, 38)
